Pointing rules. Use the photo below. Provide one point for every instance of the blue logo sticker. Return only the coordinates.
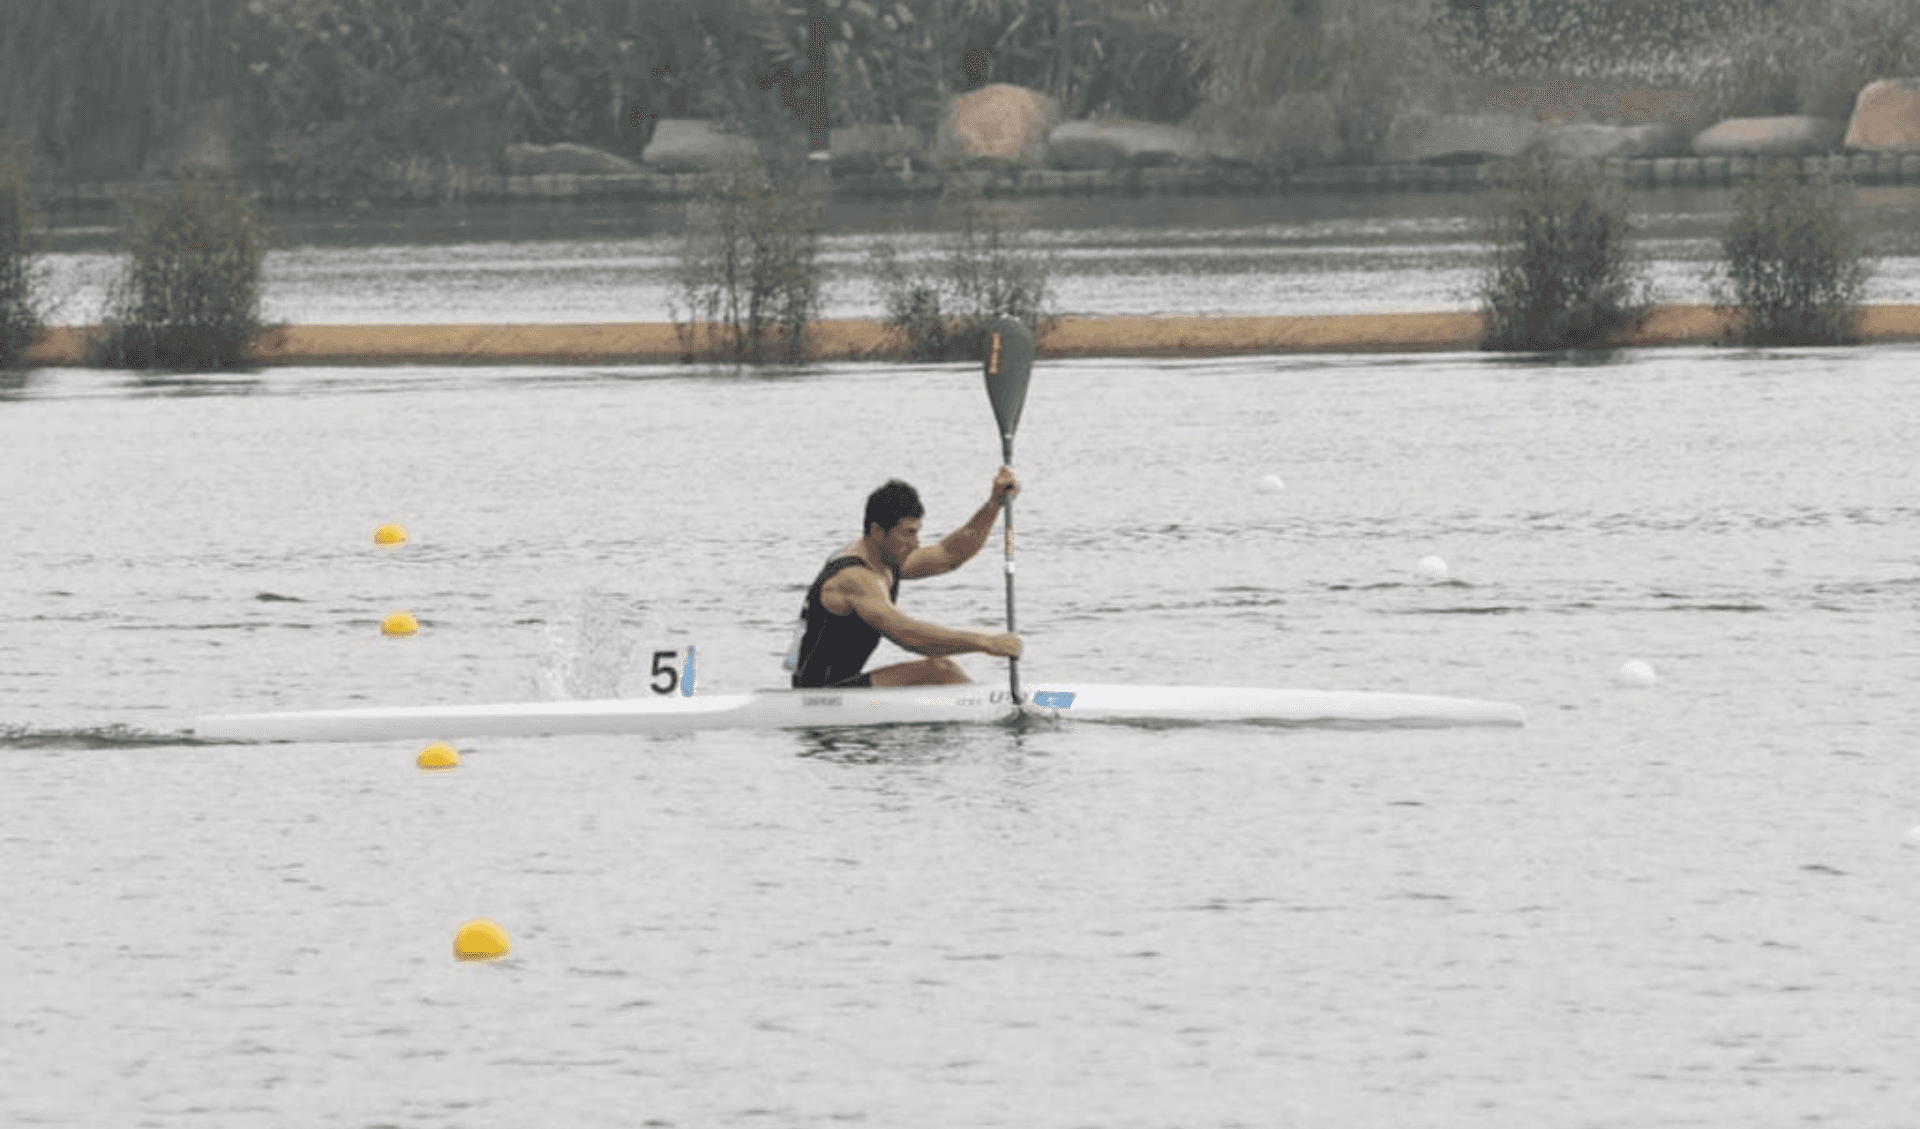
(1054, 699)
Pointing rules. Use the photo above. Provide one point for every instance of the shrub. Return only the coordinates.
(1793, 269)
(912, 299)
(944, 310)
(192, 295)
(749, 264)
(23, 239)
(1561, 276)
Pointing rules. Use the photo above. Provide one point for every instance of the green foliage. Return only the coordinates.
(415, 97)
(114, 71)
(1608, 40)
(190, 299)
(353, 89)
(896, 63)
(1752, 58)
(1861, 41)
(1793, 266)
(1805, 57)
(24, 240)
(943, 310)
(1356, 53)
(749, 266)
(1561, 274)
(1273, 59)
(1762, 72)
(404, 96)
(395, 96)
(1128, 58)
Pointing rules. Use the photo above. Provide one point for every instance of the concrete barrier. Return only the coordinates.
(1180, 180)
(866, 339)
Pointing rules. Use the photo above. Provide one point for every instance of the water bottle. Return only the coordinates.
(792, 661)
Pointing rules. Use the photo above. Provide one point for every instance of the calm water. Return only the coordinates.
(1305, 254)
(1684, 906)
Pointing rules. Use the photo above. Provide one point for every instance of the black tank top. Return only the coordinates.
(835, 647)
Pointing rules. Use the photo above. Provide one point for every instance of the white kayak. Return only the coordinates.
(908, 705)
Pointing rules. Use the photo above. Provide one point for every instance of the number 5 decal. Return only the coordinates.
(673, 676)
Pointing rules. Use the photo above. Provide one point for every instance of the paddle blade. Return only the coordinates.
(1009, 361)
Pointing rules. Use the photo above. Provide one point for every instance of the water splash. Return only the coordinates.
(587, 649)
(92, 737)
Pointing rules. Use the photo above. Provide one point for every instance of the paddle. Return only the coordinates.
(1009, 361)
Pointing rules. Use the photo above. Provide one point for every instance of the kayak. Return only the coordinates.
(1008, 362)
(904, 705)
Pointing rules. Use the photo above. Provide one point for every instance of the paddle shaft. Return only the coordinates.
(1006, 508)
(1009, 362)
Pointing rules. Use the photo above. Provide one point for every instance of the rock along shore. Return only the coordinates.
(1178, 180)
(872, 340)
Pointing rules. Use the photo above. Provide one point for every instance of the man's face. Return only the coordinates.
(900, 542)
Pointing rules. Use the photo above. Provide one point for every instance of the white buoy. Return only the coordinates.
(1635, 674)
(1433, 568)
(1913, 837)
(1271, 484)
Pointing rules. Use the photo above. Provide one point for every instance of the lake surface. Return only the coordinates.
(1307, 254)
(1690, 905)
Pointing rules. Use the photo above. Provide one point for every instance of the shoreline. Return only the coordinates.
(1650, 173)
(866, 339)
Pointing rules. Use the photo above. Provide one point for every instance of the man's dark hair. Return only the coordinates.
(887, 505)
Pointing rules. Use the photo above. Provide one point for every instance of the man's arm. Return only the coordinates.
(958, 547)
(869, 601)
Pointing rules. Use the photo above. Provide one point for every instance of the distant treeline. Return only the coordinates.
(345, 94)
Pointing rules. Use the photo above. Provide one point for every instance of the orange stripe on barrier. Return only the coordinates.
(867, 339)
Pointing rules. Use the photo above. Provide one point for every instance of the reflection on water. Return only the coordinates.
(232, 382)
(886, 744)
(917, 743)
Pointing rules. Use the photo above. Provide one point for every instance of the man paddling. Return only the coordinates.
(851, 603)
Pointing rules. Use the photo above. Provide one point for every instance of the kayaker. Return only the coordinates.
(851, 603)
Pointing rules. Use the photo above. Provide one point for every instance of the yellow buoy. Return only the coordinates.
(399, 623)
(439, 756)
(480, 939)
(389, 535)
